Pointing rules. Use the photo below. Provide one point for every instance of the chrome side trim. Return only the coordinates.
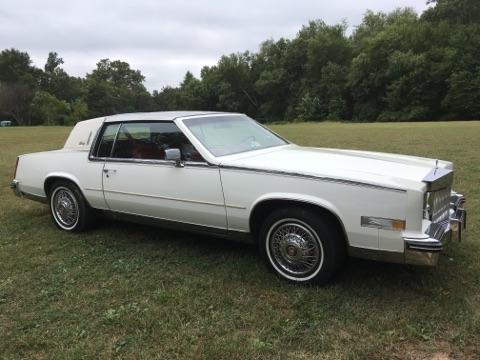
(157, 162)
(92, 189)
(152, 162)
(165, 198)
(236, 206)
(170, 198)
(313, 177)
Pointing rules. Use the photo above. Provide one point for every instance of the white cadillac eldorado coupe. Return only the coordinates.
(226, 175)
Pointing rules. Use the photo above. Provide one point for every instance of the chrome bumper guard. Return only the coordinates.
(14, 185)
(427, 251)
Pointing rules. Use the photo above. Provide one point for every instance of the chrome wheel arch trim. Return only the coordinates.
(62, 176)
(66, 177)
(301, 200)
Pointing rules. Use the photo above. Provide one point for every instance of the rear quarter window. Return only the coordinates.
(105, 144)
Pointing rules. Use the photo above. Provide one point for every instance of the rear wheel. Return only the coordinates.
(68, 207)
(301, 246)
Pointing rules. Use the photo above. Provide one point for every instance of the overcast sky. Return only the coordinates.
(164, 39)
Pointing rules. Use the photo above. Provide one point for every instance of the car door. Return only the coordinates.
(138, 180)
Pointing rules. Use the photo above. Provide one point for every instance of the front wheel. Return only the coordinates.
(68, 207)
(301, 246)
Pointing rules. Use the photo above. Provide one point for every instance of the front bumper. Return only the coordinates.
(427, 251)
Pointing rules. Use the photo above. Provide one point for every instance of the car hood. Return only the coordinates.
(399, 171)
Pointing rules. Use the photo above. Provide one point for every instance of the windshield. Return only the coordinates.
(231, 134)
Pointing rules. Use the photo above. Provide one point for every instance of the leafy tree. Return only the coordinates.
(191, 93)
(15, 100)
(454, 11)
(16, 67)
(168, 99)
(394, 66)
(113, 87)
(273, 73)
(307, 107)
(228, 85)
(18, 82)
(48, 109)
(463, 98)
(333, 93)
(78, 111)
(57, 82)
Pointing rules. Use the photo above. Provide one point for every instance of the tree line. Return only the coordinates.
(399, 66)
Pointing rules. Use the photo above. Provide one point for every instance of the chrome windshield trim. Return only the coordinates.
(314, 177)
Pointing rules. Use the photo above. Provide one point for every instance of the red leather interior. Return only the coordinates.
(147, 151)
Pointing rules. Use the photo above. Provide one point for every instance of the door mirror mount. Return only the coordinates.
(174, 155)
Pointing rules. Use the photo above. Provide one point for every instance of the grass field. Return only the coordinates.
(129, 291)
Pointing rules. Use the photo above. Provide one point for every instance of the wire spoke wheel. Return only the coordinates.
(65, 208)
(295, 248)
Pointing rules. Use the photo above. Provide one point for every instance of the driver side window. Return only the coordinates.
(149, 140)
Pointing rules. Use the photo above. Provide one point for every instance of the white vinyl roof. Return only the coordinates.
(159, 115)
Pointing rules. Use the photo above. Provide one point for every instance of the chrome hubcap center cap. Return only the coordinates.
(292, 247)
(291, 251)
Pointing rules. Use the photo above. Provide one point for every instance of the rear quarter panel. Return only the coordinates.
(34, 169)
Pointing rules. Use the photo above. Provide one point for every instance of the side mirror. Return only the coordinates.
(174, 155)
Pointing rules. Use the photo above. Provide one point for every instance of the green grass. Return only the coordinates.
(129, 291)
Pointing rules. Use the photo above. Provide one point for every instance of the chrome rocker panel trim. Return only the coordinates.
(237, 236)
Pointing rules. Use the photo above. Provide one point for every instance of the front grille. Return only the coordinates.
(440, 204)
